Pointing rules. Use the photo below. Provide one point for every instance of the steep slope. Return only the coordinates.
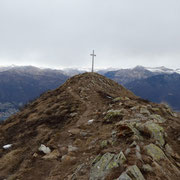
(22, 84)
(160, 88)
(90, 128)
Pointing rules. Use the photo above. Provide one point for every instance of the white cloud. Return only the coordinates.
(62, 33)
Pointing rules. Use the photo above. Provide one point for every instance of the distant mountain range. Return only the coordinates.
(163, 88)
(160, 84)
(20, 84)
(124, 76)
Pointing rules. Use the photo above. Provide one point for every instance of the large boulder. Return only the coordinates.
(132, 173)
(101, 166)
(155, 152)
(153, 130)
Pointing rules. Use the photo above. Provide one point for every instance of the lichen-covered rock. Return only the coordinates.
(147, 168)
(169, 150)
(104, 143)
(154, 130)
(101, 166)
(120, 99)
(132, 173)
(144, 110)
(157, 118)
(118, 160)
(113, 115)
(155, 152)
(124, 176)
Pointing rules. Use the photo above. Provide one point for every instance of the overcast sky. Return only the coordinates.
(62, 33)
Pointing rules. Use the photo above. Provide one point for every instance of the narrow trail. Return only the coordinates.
(88, 108)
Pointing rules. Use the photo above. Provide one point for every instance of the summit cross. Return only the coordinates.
(93, 55)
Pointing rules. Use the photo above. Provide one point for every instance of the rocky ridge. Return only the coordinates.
(91, 128)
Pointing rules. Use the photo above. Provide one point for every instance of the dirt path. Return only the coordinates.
(88, 108)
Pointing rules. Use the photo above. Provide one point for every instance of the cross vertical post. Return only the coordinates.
(93, 55)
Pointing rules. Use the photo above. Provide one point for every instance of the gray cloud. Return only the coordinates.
(62, 33)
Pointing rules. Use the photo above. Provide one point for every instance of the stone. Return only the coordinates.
(156, 110)
(73, 114)
(169, 150)
(135, 108)
(90, 121)
(138, 155)
(35, 155)
(155, 152)
(124, 176)
(154, 130)
(74, 175)
(118, 99)
(102, 165)
(126, 130)
(134, 173)
(74, 131)
(112, 115)
(134, 144)
(157, 118)
(147, 168)
(114, 133)
(97, 158)
(72, 148)
(104, 144)
(126, 98)
(44, 149)
(7, 146)
(144, 110)
(118, 160)
(128, 150)
(53, 155)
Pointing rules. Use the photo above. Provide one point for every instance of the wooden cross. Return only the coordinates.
(93, 55)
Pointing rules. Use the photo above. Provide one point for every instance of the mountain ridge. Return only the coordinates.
(90, 128)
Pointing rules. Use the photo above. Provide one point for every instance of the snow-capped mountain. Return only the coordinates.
(163, 69)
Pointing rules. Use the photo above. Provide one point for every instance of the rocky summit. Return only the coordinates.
(91, 128)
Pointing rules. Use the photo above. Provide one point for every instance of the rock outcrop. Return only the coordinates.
(91, 128)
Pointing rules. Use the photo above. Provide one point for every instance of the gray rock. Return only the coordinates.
(154, 130)
(157, 118)
(124, 176)
(104, 144)
(102, 165)
(155, 152)
(72, 148)
(147, 168)
(134, 173)
(44, 149)
(144, 110)
(73, 114)
(128, 150)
